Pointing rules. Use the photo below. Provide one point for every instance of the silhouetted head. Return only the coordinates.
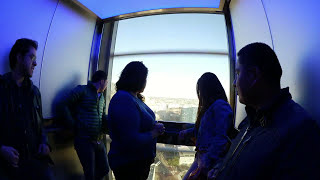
(100, 79)
(133, 77)
(209, 89)
(22, 56)
(257, 67)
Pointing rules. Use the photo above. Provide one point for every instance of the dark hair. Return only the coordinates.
(99, 75)
(21, 46)
(133, 77)
(209, 89)
(263, 57)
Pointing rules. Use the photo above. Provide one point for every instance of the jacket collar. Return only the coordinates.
(92, 86)
(263, 116)
(27, 83)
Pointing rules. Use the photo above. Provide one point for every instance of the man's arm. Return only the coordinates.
(44, 147)
(300, 157)
(1, 105)
(44, 137)
(70, 101)
(8, 153)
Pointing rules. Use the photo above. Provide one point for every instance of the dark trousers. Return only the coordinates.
(93, 158)
(133, 171)
(27, 170)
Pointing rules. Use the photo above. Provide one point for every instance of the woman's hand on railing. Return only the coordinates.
(157, 130)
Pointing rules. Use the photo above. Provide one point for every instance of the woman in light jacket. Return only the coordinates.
(214, 120)
(132, 124)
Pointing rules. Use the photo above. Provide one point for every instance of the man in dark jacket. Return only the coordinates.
(84, 109)
(24, 149)
(277, 139)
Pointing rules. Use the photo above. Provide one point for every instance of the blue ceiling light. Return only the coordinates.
(110, 8)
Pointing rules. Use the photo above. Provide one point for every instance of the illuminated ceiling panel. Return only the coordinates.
(111, 8)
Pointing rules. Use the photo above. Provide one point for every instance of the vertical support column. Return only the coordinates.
(232, 56)
(107, 51)
(105, 62)
(95, 49)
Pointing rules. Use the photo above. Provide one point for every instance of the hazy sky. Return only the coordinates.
(174, 75)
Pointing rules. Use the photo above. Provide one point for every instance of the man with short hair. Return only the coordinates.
(84, 109)
(277, 139)
(24, 149)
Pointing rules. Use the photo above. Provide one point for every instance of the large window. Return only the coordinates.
(177, 49)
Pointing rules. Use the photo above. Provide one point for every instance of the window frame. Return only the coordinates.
(103, 47)
(104, 39)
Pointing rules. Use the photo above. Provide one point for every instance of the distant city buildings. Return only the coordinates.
(171, 109)
(186, 158)
(172, 161)
(188, 114)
